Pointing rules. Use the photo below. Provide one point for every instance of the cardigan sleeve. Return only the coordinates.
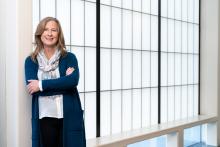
(68, 82)
(31, 69)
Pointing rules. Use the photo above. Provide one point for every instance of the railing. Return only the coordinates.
(174, 131)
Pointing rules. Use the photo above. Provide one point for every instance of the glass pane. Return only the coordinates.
(116, 3)
(116, 28)
(178, 9)
(196, 39)
(105, 113)
(63, 14)
(171, 102)
(146, 32)
(154, 106)
(79, 52)
(171, 35)
(196, 69)
(90, 115)
(90, 24)
(190, 38)
(90, 66)
(184, 37)
(137, 5)
(164, 104)
(126, 110)
(190, 10)
(154, 69)
(164, 69)
(35, 15)
(105, 26)
(184, 100)
(178, 68)
(127, 4)
(154, 33)
(196, 11)
(190, 101)
(178, 102)
(190, 69)
(136, 109)
(146, 107)
(146, 6)
(47, 8)
(77, 23)
(196, 100)
(184, 69)
(154, 7)
(171, 11)
(136, 30)
(164, 4)
(184, 10)
(177, 36)
(126, 69)
(137, 69)
(107, 2)
(116, 69)
(92, 0)
(171, 69)
(146, 69)
(105, 69)
(164, 35)
(116, 112)
(127, 29)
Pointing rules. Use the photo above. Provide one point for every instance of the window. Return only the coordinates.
(148, 62)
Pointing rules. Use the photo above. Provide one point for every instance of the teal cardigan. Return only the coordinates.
(73, 122)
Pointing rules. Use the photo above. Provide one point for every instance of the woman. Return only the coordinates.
(52, 77)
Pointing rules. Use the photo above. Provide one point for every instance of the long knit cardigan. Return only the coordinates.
(73, 122)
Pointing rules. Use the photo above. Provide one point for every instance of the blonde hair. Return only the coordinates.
(39, 31)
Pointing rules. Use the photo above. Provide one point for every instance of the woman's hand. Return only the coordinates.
(69, 71)
(33, 86)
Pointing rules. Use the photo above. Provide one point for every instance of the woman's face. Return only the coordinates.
(50, 35)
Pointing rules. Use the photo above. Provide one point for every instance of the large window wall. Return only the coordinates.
(129, 65)
(179, 59)
(149, 59)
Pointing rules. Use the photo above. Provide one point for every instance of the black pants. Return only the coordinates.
(51, 130)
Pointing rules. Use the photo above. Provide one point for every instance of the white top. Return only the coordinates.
(50, 106)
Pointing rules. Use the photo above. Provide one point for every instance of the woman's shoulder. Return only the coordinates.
(29, 61)
(70, 56)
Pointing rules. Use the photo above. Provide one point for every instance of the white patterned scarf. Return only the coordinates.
(47, 68)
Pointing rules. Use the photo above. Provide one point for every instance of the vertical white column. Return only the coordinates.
(2, 77)
(11, 71)
(16, 44)
(211, 134)
(210, 60)
(24, 47)
(172, 139)
(218, 123)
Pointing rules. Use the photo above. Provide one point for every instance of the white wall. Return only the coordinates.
(218, 73)
(210, 58)
(2, 77)
(15, 104)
